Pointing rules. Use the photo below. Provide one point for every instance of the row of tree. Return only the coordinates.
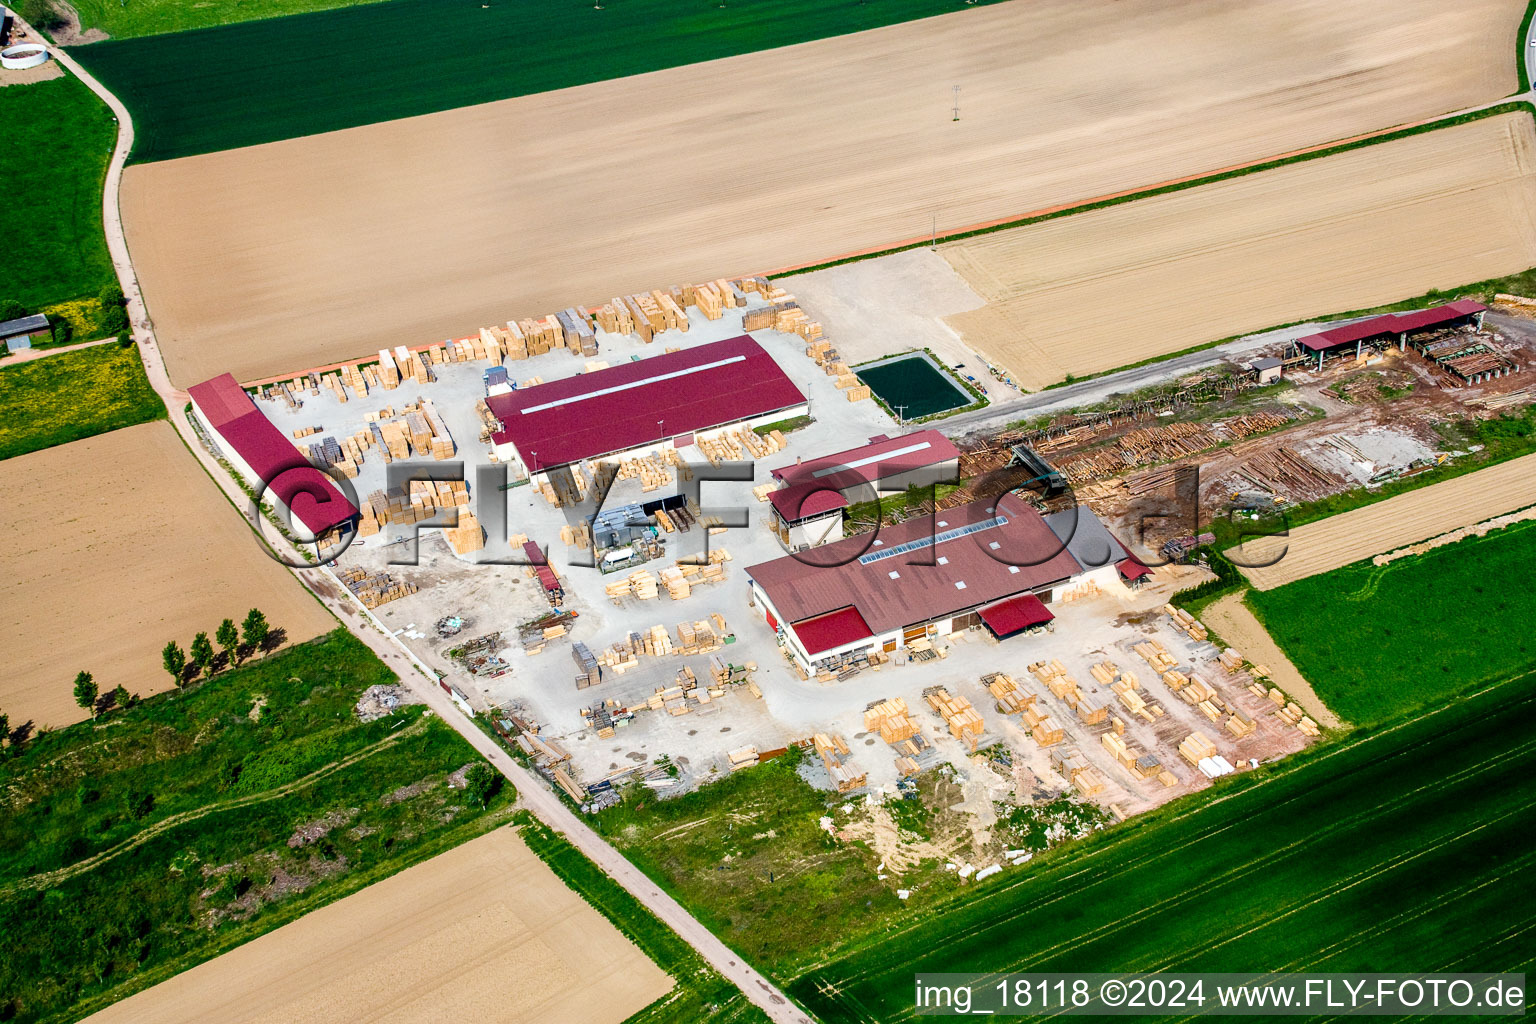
(235, 643)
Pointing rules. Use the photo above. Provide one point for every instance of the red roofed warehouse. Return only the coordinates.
(808, 506)
(994, 564)
(268, 460)
(639, 407)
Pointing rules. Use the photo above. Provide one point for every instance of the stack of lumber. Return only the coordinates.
(834, 751)
(1197, 691)
(1239, 724)
(762, 491)
(858, 394)
(1196, 747)
(1292, 714)
(697, 637)
(1130, 695)
(640, 583)
(439, 442)
(1010, 699)
(1081, 591)
(964, 721)
(468, 535)
(374, 589)
(1074, 767)
(1043, 729)
(650, 471)
(1231, 660)
(589, 672)
(906, 767)
(676, 583)
(389, 374)
(306, 431)
(1187, 622)
(742, 757)
(1062, 686)
(1139, 765)
(1156, 655)
(891, 719)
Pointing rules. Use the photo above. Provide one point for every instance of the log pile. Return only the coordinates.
(1249, 424)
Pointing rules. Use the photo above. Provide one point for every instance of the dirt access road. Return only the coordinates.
(412, 231)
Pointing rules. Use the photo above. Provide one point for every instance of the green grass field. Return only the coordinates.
(1395, 849)
(745, 854)
(36, 413)
(1453, 617)
(58, 139)
(151, 840)
(191, 92)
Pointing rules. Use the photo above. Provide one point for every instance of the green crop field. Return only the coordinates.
(1396, 849)
(35, 414)
(58, 138)
(261, 81)
(156, 837)
(1453, 617)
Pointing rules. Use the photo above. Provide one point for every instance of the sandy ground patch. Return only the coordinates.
(285, 256)
(1240, 628)
(1418, 515)
(1104, 289)
(117, 544)
(41, 73)
(484, 932)
(876, 307)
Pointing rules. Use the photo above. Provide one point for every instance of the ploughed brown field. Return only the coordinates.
(1104, 289)
(484, 932)
(280, 257)
(1403, 519)
(118, 543)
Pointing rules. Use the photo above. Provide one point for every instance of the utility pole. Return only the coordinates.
(957, 103)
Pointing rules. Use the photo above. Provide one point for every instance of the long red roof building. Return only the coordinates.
(271, 458)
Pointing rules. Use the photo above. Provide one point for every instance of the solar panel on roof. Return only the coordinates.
(939, 538)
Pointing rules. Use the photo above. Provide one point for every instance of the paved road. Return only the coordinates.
(533, 791)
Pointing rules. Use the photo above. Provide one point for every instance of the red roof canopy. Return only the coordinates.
(637, 403)
(1132, 569)
(1391, 323)
(834, 629)
(1015, 614)
(310, 495)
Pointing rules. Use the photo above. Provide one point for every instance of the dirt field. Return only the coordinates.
(284, 256)
(483, 932)
(1234, 623)
(1417, 515)
(119, 543)
(1100, 290)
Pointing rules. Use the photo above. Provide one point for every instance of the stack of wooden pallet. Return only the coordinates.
(964, 722)
(1187, 622)
(1156, 655)
(891, 719)
(1010, 699)
(1074, 767)
(468, 535)
(1196, 747)
(374, 589)
(834, 751)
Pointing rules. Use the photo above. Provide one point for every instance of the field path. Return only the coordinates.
(533, 792)
(26, 355)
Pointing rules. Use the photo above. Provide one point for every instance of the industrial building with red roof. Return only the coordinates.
(269, 461)
(1393, 326)
(992, 563)
(640, 406)
(808, 506)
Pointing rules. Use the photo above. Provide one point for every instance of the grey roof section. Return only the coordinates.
(1089, 541)
(26, 325)
(1265, 363)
